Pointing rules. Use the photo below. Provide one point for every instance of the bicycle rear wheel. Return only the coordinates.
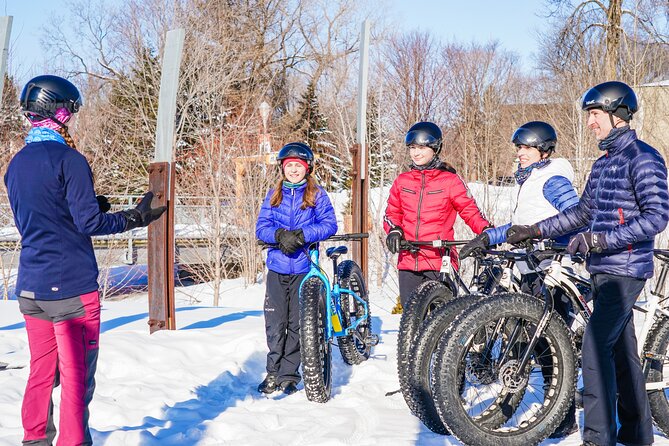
(354, 350)
(415, 378)
(315, 349)
(476, 376)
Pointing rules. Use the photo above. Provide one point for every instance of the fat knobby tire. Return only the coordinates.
(415, 382)
(657, 346)
(448, 373)
(315, 350)
(350, 277)
(426, 298)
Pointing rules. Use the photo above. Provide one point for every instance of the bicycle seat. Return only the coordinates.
(336, 251)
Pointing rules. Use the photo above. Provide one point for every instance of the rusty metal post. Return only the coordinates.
(161, 250)
(359, 211)
(162, 314)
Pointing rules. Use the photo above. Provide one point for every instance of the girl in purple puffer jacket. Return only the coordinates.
(296, 213)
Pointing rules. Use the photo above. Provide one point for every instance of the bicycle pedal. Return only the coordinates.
(372, 340)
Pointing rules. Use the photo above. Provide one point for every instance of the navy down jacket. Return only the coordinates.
(626, 199)
(317, 223)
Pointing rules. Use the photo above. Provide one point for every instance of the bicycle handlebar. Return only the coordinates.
(338, 237)
(434, 243)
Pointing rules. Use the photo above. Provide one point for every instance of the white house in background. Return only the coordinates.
(652, 120)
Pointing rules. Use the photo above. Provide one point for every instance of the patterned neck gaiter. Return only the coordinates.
(523, 173)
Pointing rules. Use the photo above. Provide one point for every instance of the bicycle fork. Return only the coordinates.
(551, 281)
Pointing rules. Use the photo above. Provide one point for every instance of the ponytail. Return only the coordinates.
(66, 135)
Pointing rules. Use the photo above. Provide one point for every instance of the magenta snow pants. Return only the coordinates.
(63, 337)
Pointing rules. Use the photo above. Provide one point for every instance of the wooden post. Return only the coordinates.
(359, 211)
(162, 314)
(5, 32)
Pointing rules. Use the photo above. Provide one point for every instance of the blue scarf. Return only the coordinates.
(39, 134)
(523, 173)
(606, 143)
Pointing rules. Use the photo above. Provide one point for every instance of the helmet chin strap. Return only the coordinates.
(613, 125)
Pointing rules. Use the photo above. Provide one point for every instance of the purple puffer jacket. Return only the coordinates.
(626, 199)
(317, 223)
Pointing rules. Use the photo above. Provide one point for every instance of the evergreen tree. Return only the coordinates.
(312, 128)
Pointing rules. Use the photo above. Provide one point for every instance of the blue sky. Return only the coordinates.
(514, 24)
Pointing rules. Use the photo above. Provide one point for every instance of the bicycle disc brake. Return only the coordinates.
(510, 377)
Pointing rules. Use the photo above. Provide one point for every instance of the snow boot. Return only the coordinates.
(268, 385)
(289, 387)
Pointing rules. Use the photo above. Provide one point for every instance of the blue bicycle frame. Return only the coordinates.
(333, 298)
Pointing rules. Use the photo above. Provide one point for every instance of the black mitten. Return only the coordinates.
(103, 203)
(143, 213)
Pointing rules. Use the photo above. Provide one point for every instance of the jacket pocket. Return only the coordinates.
(433, 192)
(409, 191)
(621, 220)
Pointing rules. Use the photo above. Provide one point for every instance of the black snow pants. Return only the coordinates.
(612, 374)
(409, 281)
(282, 325)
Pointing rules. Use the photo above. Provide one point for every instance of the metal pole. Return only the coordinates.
(5, 32)
(360, 181)
(362, 97)
(162, 314)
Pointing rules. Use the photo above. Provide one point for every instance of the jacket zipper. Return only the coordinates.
(292, 214)
(420, 203)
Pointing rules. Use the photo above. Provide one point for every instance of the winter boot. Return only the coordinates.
(268, 385)
(289, 387)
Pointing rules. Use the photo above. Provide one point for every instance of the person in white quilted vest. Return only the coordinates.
(544, 188)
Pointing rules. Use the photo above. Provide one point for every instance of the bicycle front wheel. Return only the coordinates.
(315, 349)
(477, 376)
(656, 367)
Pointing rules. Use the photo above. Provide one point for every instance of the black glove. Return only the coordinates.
(103, 203)
(289, 241)
(480, 242)
(143, 213)
(394, 239)
(519, 233)
(586, 242)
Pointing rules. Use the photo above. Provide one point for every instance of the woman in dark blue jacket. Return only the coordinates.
(50, 188)
(295, 213)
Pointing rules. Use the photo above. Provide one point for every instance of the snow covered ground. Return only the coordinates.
(196, 385)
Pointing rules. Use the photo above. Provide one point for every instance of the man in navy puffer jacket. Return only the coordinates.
(625, 204)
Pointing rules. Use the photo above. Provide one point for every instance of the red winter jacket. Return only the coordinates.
(424, 203)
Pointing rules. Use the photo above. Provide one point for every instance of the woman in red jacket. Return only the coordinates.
(422, 205)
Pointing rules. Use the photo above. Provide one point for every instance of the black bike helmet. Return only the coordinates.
(537, 134)
(43, 95)
(426, 134)
(297, 150)
(616, 98)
